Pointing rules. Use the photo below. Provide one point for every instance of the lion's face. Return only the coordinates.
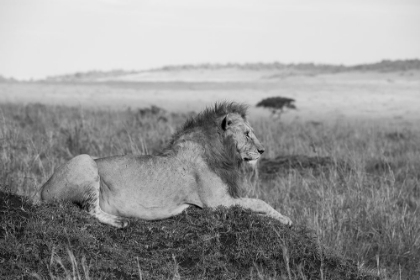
(247, 143)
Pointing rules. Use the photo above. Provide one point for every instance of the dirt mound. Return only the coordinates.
(280, 165)
(14, 213)
(62, 240)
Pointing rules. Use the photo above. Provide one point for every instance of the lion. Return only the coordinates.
(201, 166)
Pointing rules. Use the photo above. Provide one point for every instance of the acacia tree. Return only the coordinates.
(277, 104)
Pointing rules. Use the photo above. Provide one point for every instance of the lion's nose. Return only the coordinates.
(261, 150)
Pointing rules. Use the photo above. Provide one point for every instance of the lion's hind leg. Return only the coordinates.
(91, 203)
(78, 181)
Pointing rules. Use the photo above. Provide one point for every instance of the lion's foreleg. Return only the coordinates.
(260, 206)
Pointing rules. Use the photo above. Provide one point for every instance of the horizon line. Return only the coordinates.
(171, 67)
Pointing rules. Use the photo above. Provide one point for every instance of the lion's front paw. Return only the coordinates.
(286, 220)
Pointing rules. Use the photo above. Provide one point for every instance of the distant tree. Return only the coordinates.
(277, 104)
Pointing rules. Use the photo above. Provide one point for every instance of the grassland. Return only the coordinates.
(364, 212)
(344, 166)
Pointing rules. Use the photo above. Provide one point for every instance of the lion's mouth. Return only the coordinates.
(251, 161)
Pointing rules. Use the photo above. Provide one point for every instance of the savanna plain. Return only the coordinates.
(344, 166)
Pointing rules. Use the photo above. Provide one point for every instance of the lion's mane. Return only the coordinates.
(220, 153)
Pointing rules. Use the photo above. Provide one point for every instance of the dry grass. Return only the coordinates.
(366, 211)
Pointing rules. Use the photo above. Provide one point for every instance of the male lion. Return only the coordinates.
(201, 166)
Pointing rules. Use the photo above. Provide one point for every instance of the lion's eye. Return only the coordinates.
(247, 134)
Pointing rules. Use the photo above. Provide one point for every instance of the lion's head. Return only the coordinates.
(227, 139)
(247, 144)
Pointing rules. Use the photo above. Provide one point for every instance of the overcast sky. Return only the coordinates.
(49, 37)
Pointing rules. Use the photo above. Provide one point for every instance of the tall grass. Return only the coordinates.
(368, 212)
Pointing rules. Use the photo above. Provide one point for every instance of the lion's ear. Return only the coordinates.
(227, 121)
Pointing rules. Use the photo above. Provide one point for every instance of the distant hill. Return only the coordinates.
(6, 80)
(384, 65)
(292, 69)
(89, 75)
(388, 65)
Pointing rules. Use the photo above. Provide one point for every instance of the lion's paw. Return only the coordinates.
(286, 221)
(121, 223)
